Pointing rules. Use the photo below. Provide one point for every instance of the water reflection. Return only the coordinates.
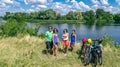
(82, 30)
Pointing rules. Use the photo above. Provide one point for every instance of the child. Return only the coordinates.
(55, 41)
(73, 39)
(65, 41)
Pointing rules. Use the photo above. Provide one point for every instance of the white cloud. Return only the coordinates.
(7, 1)
(37, 1)
(118, 1)
(11, 2)
(100, 4)
(42, 1)
(32, 6)
(29, 1)
(42, 6)
(3, 6)
(49, 1)
(104, 2)
(113, 9)
(30, 10)
(73, 1)
(95, 2)
(84, 6)
(67, 0)
(65, 8)
(16, 4)
(94, 7)
(22, 10)
(61, 8)
(110, 8)
(76, 6)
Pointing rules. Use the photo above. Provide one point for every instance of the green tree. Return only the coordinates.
(74, 15)
(117, 18)
(50, 14)
(89, 17)
(104, 17)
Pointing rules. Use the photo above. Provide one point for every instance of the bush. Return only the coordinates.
(42, 35)
(31, 31)
(107, 40)
(10, 28)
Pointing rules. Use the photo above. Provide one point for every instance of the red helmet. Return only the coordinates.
(84, 40)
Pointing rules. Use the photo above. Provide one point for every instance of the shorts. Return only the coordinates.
(72, 43)
(49, 44)
(55, 43)
(65, 42)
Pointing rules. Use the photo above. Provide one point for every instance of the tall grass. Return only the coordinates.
(29, 51)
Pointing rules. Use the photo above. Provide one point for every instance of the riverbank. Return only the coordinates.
(54, 21)
(28, 51)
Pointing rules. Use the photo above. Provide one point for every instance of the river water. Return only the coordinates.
(83, 30)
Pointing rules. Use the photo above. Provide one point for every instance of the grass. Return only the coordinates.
(29, 51)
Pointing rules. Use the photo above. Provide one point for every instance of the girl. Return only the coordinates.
(73, 39)
(65, 41)
(55, 41)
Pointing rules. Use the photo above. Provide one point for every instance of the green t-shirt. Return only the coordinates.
(48, 35)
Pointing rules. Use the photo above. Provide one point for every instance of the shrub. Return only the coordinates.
(107, 40)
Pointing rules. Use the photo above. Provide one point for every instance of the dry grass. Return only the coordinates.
(28, 51)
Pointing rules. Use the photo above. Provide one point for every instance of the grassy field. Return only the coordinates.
(29, 51)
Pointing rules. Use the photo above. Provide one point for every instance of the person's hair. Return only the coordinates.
(65, 30)
(55, 29)
(50, 26)
(74, 31)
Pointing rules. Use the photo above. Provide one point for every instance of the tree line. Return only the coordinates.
(99, 17)
(16, 22)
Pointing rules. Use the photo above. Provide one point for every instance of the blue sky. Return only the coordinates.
(60, 6)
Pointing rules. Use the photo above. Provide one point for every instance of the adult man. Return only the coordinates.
(49, 43)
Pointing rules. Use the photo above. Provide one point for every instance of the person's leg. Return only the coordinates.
(51, 47)
(47, 47)
(81, 50)
(67, 44)
(63, 43)
(72, 47)
(55, 50)
(66, 49)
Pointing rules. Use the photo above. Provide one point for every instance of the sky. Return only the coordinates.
(60, 6)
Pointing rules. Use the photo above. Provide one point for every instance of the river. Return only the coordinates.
(83, 30)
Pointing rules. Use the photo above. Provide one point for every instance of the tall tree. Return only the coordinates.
(89, 17)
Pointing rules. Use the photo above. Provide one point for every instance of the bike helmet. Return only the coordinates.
(90, 41)
(84, 40)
